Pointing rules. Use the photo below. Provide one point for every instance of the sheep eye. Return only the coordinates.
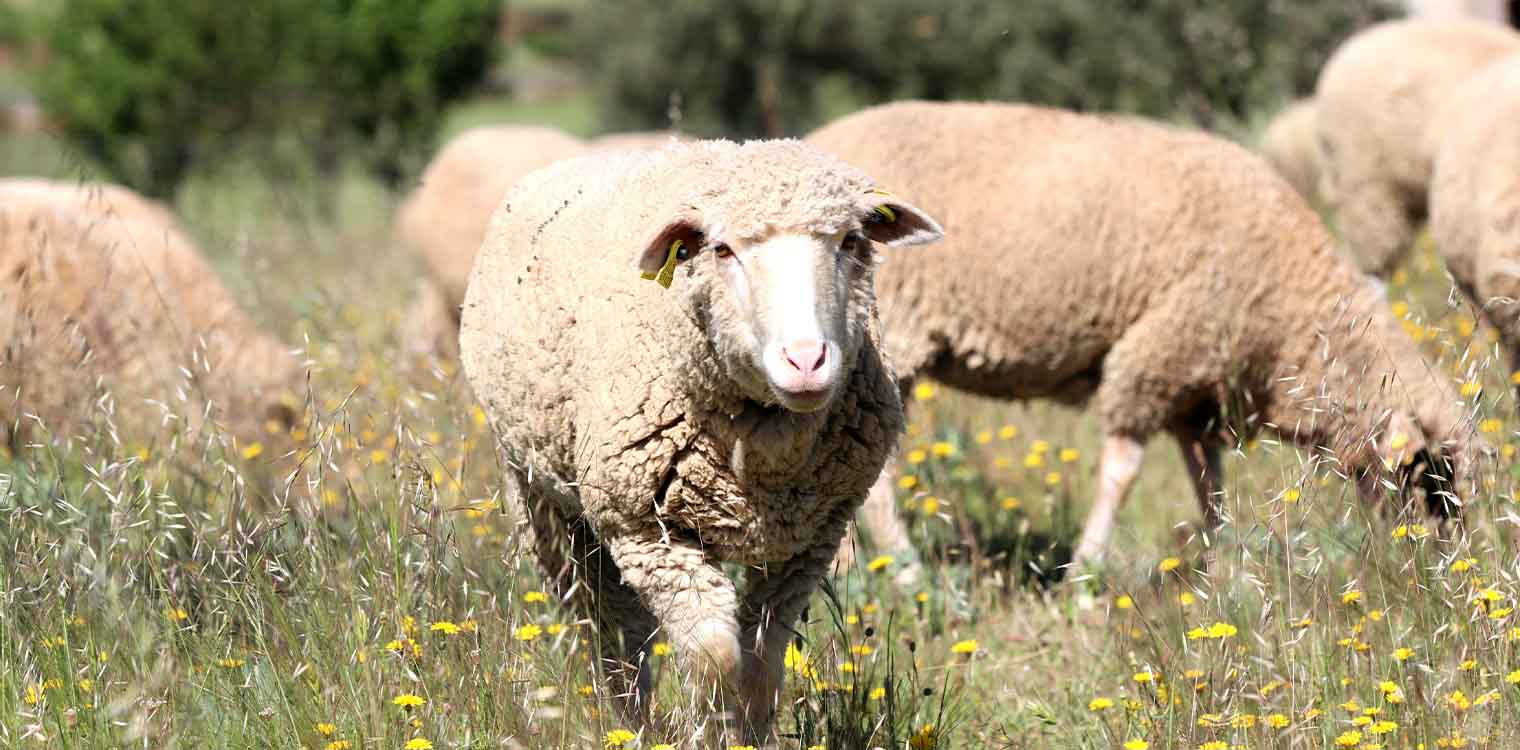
(722, 250)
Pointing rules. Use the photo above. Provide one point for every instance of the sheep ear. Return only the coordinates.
(674, 243)
(892, 221)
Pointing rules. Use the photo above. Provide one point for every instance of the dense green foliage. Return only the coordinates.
(765, 67)
(148, 89)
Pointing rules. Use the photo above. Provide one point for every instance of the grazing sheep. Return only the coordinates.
(1289, 145)
(1169, 274)
(1475, 198)
(1382, 111)
(739, 416)
(445, 218)
(100, 289)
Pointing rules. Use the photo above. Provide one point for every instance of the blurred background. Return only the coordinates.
(156, 92)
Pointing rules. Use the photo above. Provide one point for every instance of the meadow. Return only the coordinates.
(357, 582)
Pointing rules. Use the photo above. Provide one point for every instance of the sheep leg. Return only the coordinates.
(1202, 457)
(697, 607)
(884, 527)
(1117, 470)
(577, 566)
(774, 599)
(1378, 227)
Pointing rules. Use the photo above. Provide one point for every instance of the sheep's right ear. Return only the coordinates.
(895, 222)
(674, 243)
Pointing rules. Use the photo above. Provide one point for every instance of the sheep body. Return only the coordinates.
(100, 287)
(1382, 111)
(617, 410)
(445, 218)
(1290, 145)
(1161, 272)
(1475, 198)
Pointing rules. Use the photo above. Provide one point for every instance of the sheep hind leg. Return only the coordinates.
(1202, 458)
(578, 567)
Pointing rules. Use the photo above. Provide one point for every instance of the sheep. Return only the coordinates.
(738, 417)
(1381, 104)
(1475, 198)
(1166, 273)
(445, 218)
(101, 288)
(1496, 11)
(636, 140)
(1289, 145)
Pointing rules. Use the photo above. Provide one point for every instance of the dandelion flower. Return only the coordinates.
(1034, 461)
(1136, 745)
(964, 647)
(1069, 455)
(1143, 677)
(917, 456)
(445, 627)
(878, 693)
(1186, 598)
(1008, 432)
(407, 700)
(1011, 503)
(880, 562)
(662, 649)
(942, 449)
(984, 437)
(618, 738)
(1350, 738)
(252, 451)
(907, 482)
(1291, 495)
(527, 632)
(339, 745)
(1351, 597)
(1124, 602)
(417, 743)
(924, 391)
(1402, 653)
(326, 729)
(1276, 721)
(931, 505)
(535, 597)
(1100, 704)
(1169, 564)
(1053, 478)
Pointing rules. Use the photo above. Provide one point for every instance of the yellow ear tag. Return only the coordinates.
(885, 210)
(667, 272)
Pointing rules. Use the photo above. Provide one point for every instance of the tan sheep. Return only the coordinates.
(1475, 197)
(445, 218)
(736, 417)
(1290, 145)
(1382, 110)
(102, 292)
(1169, 274)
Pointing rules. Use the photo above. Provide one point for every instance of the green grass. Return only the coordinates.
(169, 595)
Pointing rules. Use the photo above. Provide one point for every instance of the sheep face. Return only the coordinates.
(787, 309)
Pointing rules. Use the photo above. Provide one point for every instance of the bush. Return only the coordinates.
(760, 67)
(151, 88)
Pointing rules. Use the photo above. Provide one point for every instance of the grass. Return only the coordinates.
(172, 593)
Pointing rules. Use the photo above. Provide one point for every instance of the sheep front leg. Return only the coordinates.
(1117, 470)
(774, 598)
(697, 607)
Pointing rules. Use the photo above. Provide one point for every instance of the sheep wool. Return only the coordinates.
(1290, 145)
(1382, 113)
(102, 294)
(1475, 198)
(630, 417)
(1167, 274)
(444, 220)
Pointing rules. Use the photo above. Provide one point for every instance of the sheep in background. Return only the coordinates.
(738, 416)
(1166, 273)
(1290, 145)
(101, 289)
(445, 218)
(1382, 103)
(1475, 198)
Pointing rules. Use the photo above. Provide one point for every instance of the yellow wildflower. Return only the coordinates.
(618, 738)
(907, 482)
(527, 632)
(880, 563)
(964, 647)
(1103, 704)
(1169, 564)
(1010, 503)
(1124, 602)
(535, 597)
(1351, 597)
(1136, 745)
(924, 391)
(326, 729)
(662, 649)
(1402, 653)
(1069, 455)
(407, 700)
(941, 449)
(445, 627)
(417, 743)
(1008, 432)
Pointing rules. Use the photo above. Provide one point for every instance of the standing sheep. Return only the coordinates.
(445, 218)
(1166, 273)
(738, 416)
(1382, 111)
(1290, 145)
(99, 288)
(1475, 198)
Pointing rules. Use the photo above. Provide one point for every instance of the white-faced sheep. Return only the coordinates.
(445, 218)
(1290, 145)
(1169, 274)
(1382, 111)
(738, 416)
(101, 290)
(1475, 198)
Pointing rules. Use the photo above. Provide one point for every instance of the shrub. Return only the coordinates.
(761, 67)
(151, 88)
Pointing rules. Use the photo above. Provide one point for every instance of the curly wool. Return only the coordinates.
(1382, 101)
(1164, 272)
(101, 289)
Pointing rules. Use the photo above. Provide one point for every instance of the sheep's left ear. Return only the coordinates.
(893, 221)
(673, 243)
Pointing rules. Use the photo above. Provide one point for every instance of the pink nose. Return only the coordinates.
(806, 356)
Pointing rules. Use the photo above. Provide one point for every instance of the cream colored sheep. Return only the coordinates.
(1496, 11)
(445, 218)
(1382, 111)
(1290, 145)
(101, 293)
(1165, 273)
(634, 141)
(738, 416)
(1475, 197)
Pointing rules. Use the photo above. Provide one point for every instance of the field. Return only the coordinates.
(367, 589)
